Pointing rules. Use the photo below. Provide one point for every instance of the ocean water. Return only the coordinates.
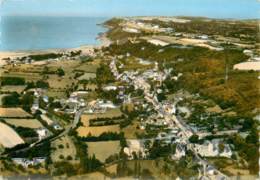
(37, 33)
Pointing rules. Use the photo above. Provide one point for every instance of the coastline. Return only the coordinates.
(86, 50)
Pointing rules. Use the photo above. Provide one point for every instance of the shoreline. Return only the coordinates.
(86, 50)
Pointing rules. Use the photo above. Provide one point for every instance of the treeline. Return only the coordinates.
(106, 136)
(106, 121)
(40, 57)
(14, 99)
(12, 81)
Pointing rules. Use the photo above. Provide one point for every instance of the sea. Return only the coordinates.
(20, 33)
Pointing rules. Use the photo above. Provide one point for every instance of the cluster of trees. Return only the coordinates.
(12, 81)
(38, 84)
(14, 99)
(42, 150)
(247, 149)
(25, 132)
(75, 53)
(106, 121)
(111, 95)
(106, 136)
(161, 150)
(39, 57)
(11, 100)
(104, 75)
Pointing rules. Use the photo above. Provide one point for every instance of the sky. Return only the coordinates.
(238, 9)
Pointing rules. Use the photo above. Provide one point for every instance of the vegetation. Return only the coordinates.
(106, 136)
(12, 81)
(40, 57)
(104, 75)
(11, 100)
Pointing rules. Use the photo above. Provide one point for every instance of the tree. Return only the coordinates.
(60, 72)
(194, 138)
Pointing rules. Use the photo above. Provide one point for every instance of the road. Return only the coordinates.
(170, 118)
(72, 125)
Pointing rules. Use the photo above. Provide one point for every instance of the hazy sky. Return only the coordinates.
(210, 8)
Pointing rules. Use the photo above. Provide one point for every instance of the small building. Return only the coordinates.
(179, 152)
(42, 133)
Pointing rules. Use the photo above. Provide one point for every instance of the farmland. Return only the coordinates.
(8, 137)
(27, 123)
(103, 149)
(13, 113)
(17, 89)
(63, 149)
(84, 131)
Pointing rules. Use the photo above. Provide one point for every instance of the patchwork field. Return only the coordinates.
(104, 149)
(111, 113)
(27, 123)
(8, 137)
(13, 113)
(85, 130)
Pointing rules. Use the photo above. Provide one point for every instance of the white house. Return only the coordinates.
(179, 152)
(109, 88)
(42, 133)
(211, 149)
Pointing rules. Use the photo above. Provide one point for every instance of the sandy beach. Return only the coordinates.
(86, 50)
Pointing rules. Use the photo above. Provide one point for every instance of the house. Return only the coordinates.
(42, 133)
(179, 152)
(211, 149)
(27, 162)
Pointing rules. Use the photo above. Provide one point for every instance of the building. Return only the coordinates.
(211, 149)
(179, 152)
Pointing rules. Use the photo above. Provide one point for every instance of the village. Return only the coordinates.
(121, 106)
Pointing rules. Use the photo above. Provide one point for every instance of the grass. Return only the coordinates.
(63, 146)
(104, 149)
(84, 131)
(27, 123)
(13, 113)
(17, 89)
